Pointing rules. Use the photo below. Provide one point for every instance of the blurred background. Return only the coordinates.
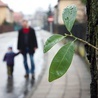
(45, 16)
(41, 14)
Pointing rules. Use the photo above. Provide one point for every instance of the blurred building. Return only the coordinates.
(39, 18)
(6, 14)
(29, 17)
(18, 16)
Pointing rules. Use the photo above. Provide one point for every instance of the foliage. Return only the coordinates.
(6, 23)
(52, 41)
(84, 1)
(62, 60)
(69, 16)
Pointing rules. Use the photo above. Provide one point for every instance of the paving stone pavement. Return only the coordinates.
(74, 84)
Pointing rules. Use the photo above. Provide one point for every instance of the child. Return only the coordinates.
(9, 58)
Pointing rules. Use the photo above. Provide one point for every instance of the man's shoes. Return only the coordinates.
(33, 77)
(9, 76)
(26, 76)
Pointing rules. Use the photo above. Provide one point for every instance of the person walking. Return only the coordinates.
(27, 44)
(9, 59)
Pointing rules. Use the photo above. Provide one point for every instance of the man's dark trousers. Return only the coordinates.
(31, 60)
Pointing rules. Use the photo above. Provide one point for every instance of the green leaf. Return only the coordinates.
(61, 62)
(69, 16)
(52, 41)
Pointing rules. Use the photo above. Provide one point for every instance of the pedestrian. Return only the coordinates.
(27, 44)
(9, 59)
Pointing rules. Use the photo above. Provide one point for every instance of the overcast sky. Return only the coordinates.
(29, 6)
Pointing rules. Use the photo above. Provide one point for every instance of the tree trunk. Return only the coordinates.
(92, 12)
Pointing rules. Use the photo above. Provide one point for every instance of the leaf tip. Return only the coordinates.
(44, 51)
(50, 79)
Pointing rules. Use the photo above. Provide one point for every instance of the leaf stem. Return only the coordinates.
(67, 35)
(70, 33)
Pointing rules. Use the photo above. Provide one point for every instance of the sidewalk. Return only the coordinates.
(74, 84)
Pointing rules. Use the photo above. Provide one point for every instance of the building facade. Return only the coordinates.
(6, 14)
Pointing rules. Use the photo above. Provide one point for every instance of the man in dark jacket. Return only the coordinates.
(27, 43)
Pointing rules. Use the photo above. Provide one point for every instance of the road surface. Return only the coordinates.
(18, 87)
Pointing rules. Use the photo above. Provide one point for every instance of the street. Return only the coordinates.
(17, 87)
(74, 84)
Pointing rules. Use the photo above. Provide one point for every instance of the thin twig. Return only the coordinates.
(82, 41)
